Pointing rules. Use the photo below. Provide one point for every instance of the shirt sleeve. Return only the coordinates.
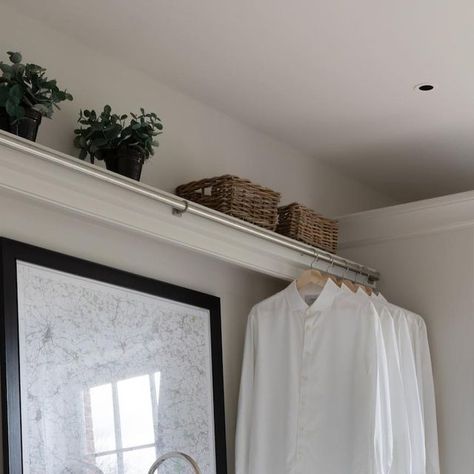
(243, 438)
(425, 376)
(383, 419)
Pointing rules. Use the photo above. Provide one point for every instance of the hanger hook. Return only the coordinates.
(346, 269)
(359, 272)
(367, 284)
(315, 259)
(331, 264)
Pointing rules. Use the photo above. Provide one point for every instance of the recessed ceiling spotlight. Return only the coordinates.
(424, 87)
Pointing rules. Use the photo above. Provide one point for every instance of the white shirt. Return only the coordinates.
(308, 395)
(410, 389)
(398, 404)
(419, 387)
(426, 387)
(389, 413)
(398, 460)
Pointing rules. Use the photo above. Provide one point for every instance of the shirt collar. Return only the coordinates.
(381, 298)
(360, 293)
(346, 289)
(324, 301)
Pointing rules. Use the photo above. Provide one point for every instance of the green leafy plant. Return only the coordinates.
(141, 132)
(107, 132)
(101, 133)
(25, 86)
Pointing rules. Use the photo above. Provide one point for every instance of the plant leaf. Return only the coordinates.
(15, 57)
(43, 109)
(12, 108)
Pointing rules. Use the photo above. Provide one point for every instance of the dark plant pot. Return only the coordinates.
(125, 161)
(4, 120)
(27, 127)
(111, 161)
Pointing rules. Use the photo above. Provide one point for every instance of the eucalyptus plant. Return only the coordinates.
(107, 132)
(101, 133)
(24, 86)
(141, 132)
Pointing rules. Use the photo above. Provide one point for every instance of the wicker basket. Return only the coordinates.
(301, 223)
(235, 197)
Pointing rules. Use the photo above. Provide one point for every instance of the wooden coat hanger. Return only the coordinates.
(314, 276)
(311, 276)
(366, 289)
(347, 282)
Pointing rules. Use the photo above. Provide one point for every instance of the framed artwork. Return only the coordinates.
(104, 371)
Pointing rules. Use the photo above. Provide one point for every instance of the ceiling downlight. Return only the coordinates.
(424, 87)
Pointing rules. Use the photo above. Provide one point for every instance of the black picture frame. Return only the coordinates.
(12, 251)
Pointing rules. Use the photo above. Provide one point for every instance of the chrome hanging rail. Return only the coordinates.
(180, 206)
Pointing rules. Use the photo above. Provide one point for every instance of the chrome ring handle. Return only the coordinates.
(174, 454)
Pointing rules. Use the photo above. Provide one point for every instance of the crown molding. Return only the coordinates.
(441, 214)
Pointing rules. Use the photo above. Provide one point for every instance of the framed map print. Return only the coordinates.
(104, 371)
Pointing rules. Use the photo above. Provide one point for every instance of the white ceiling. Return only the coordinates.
(334, 78)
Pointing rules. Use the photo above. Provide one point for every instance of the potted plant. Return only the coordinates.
(123, 145)
(26, 96)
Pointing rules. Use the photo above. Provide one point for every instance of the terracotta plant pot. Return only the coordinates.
(27, 127)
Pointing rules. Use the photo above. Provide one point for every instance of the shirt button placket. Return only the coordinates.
(303, 388)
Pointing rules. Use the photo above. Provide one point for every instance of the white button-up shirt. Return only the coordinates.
(311, 379)
(419, 388)
(402, 458)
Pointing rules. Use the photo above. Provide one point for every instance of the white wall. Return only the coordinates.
(239, 289)
(425, 253)
(198, 142)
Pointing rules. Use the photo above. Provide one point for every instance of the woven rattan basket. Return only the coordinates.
(301, 223)
(235, 197)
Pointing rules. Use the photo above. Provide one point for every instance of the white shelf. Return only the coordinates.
(73, 186)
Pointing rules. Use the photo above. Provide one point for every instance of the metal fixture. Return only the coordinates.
(180, 212)
(181, 207)
(174, 454)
